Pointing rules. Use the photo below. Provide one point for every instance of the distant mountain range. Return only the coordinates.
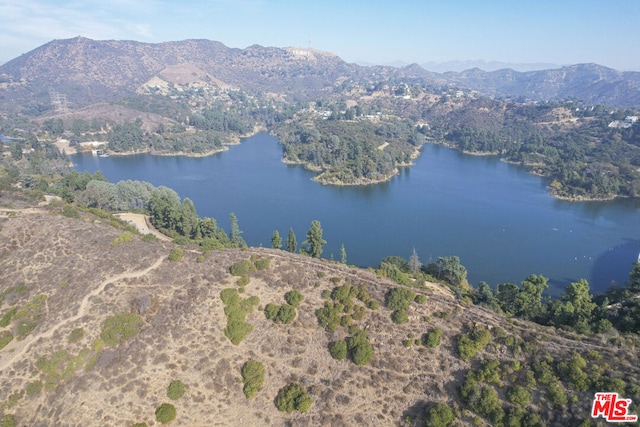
(458, 66)
(87, 71)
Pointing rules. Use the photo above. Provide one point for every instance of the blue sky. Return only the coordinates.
(606, 32)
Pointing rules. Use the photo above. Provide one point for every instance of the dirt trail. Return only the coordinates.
(19, 349)
(142, 223)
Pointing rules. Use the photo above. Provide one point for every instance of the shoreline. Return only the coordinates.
(551, 193)
(234, 140)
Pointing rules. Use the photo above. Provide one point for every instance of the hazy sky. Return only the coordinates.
(606, 32)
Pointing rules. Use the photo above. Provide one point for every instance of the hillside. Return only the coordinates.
(88, 71)
(69, 365)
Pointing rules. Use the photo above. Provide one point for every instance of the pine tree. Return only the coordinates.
(414, 262)
(343, 254)
(276, 241)
(292, 243)
(235, 233)
(314, 240)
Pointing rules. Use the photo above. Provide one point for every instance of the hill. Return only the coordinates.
(103, 322)
(88, 71)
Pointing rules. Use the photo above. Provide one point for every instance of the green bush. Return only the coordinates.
(34, 388)
(293, 398)
(165, 413)
(329, 315)
(557, 394)
(483, 400)
(280, 313)
(271, 311)
(141, 425)
(24, 328)
(359, 347)
(236, 310)
(175, 390)
(262, 263)
(343, 294)
(253, 373)
(242, 268)
(69, 212)
(440, 415)
(293, 298)
(518, 395)
(359, 312)
(5, 338)
(399, 317)
(7, 317)
(432, 338)
(149, 237)
(243, 281)
(471, 343)
(399, 298)
(286, 314)
(230, 296)
(123, 238)
(363, 294)
(76, 335)
(338, 349)
(373, 304)
(7, 421)
(176, 254)
(420, 299)
(120, 327)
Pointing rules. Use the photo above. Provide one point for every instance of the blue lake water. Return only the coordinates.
(495, 216)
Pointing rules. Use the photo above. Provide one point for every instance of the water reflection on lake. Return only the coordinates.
(498, 218)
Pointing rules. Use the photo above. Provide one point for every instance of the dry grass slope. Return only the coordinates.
(87, 280)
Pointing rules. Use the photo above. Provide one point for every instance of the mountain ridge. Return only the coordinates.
(87, 71)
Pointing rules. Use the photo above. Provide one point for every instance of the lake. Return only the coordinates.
(496, 217)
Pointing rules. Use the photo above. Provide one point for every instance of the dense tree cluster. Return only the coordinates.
(587, 159)
(350, 152)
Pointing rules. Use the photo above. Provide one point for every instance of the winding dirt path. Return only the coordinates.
(19, 349)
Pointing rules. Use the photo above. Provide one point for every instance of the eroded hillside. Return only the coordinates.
(102, 322)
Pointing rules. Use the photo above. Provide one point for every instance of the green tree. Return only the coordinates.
(414, 262)
(506, 295)
(253, 373)
(528, 302)
(165, 413)
(360, 349)
(292, 243)
(450, 270)
(276, 241)
(440, 415)
(175, 390)
(518, 395)
(293, 298)
(338, 349)
(579, 304)
(314, 240)
(343, 254)
(293, 398)
(234, 234)
(16, 151)
(634, 278)
(188, 220)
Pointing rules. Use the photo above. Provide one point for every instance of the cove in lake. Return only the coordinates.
(496, 217)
